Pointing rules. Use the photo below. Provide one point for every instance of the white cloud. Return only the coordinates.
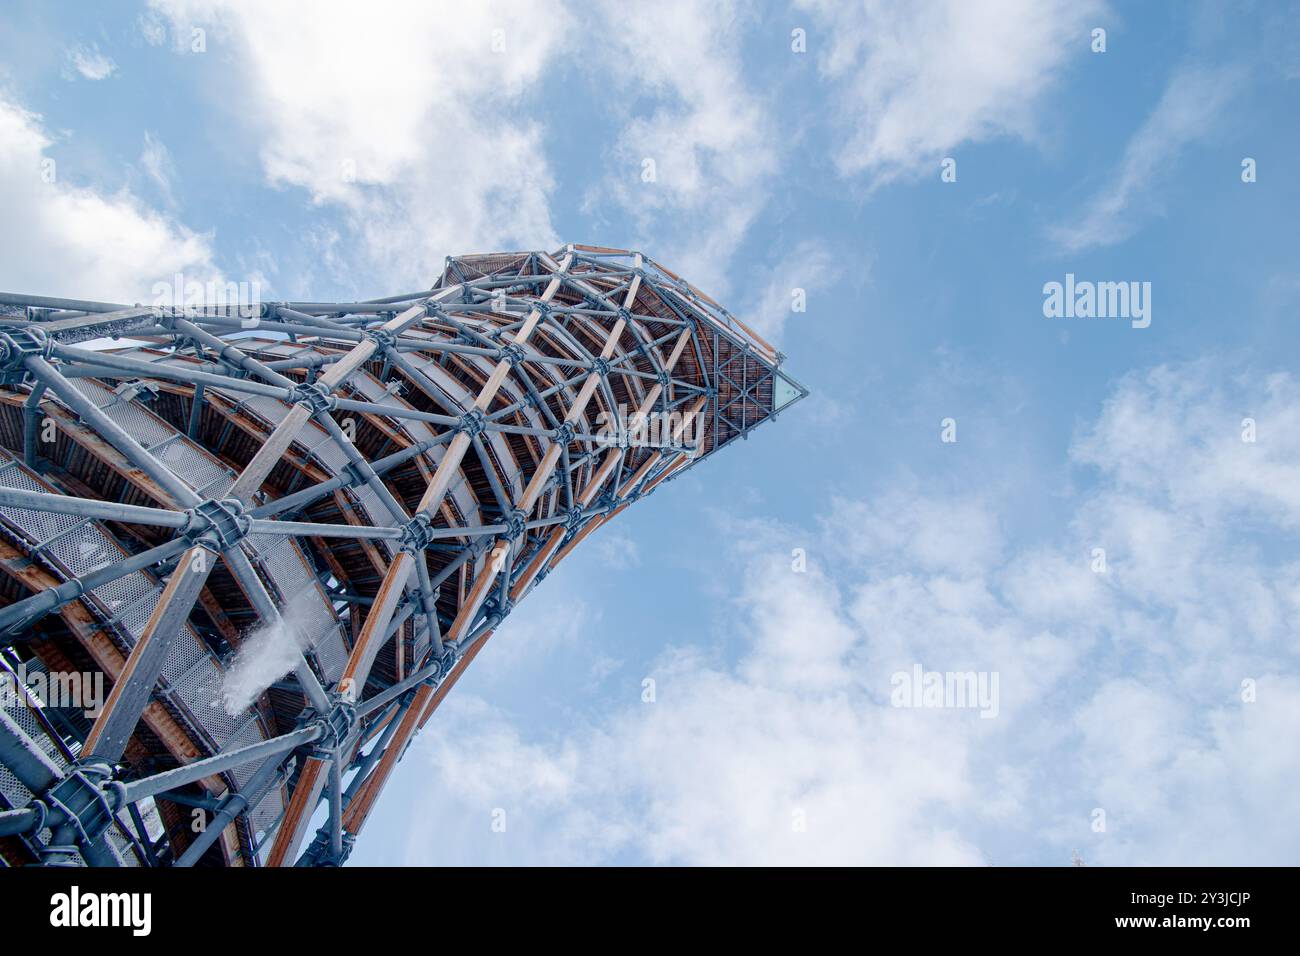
(915, 80)
(615, 549)
(158, 166)
(419, 126)
(809, 266)
(559, 621)
(1190, 109)
(431, 143)
(1186, 415)
(940, 535)
(75, 241)
(709, 134)
(1117, 692)
(89, 63)
(152, 28)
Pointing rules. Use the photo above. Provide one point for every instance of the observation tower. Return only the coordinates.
(246, 551)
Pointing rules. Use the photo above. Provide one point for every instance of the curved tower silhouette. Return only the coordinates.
(246, 551)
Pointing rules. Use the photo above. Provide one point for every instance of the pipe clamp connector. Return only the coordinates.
(472, 423)
(416, 534)
(315, 396)
(383, 338)
(217, 525)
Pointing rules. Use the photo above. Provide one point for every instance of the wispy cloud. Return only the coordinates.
(426, 139)
(1189, 110)
(152, 27)
(800, 276)
(693, 165)
(616, 549)
(915, 80)
(158, 166)
(1123, 686)
(435, 154)
(75, 240)
(89, 63)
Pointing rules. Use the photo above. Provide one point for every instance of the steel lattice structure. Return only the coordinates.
(382, 481)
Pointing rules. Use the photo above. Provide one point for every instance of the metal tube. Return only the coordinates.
(13, 822)
(307, 528)
(336, 807)
(173, 372)
(363, 767)
(300, 499)
(18, 614)
(329, 307)
(111, 431)
(219, 763)
(196, 412)
(302, 317)
(31, 420)
(231, 807)
(394, 411)
(49, 302)
(380, 700)
(351, 336)
(232, 354)
(91, 508)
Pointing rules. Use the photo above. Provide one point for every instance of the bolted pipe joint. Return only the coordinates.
(86, 800)
(321, 853)
(445, 664)
(336, 726)
(417, 534)
(438, 668)
(512, 353)
(436, 671)
(516, 524)
(472, 423)
(664, 378)
(354, 475)
(316, 397)
(383, 338)
(600, 366)
(564, 435)
(500, 610)
(573, 520)
(217, 525)
(17, 346)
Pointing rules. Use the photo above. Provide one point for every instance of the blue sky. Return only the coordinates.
(327, 152)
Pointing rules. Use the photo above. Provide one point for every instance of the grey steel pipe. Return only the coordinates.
(111, 431)
(231, 807)
(219, 763)
(91, 508)
(18, 614)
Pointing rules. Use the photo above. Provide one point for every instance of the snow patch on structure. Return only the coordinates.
(270, 651)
